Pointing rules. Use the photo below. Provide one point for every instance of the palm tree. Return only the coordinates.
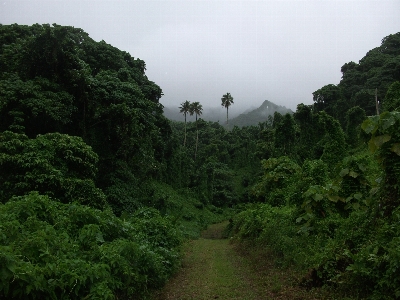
(227, 101)
(197, 109)
(185, 108)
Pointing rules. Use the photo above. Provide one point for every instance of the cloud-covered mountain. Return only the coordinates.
(258, 115)
(251, 116)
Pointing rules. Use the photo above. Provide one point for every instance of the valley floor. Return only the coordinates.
(216, 268)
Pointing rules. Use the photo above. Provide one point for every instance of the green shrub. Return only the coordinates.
(271, 226)
(55, 164)
(385, 141)
(69, 251)
(277, 185)
(315, 172)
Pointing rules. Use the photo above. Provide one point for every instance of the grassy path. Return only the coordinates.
(214, 268)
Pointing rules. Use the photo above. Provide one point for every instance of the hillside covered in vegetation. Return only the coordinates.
(98, 189)
(266, 111)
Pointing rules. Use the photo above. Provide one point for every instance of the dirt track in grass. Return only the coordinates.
(216, 268)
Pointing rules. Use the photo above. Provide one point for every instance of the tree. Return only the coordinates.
(330, 99)
(197, 109)
(306, 138)
(332, 141)
(57, 79)
(385, 140)
(185, 108)
(285, 133)
(354, 117)
(227, 100)
(392, 99)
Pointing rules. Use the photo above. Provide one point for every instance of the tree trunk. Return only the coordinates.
(197, 139)
(184, 141)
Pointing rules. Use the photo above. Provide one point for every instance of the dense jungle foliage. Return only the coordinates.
(329, 195)
(98, 189)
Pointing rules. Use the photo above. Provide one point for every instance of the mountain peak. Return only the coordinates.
(258, 115)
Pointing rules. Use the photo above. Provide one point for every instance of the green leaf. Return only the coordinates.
(11, 266)
(396, 148)
(371, 146)
(367, 202)
(334, 198)
(377, 141)
(344, 172)
(318, 197)
(349, 268)
(370, 125)
(99, 237)
(381, 139)
(353, 174)
(362, 167)
(358, 196)
(388, 120)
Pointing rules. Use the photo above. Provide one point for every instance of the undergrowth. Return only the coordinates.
(342, 231)
(69, 251)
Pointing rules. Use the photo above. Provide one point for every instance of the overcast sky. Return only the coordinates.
(280, 51)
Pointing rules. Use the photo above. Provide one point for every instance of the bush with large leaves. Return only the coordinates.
(385, 141)
(50, 250)
(278, 184)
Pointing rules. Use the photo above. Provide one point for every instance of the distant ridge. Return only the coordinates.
(258, 115)
(249, 117)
